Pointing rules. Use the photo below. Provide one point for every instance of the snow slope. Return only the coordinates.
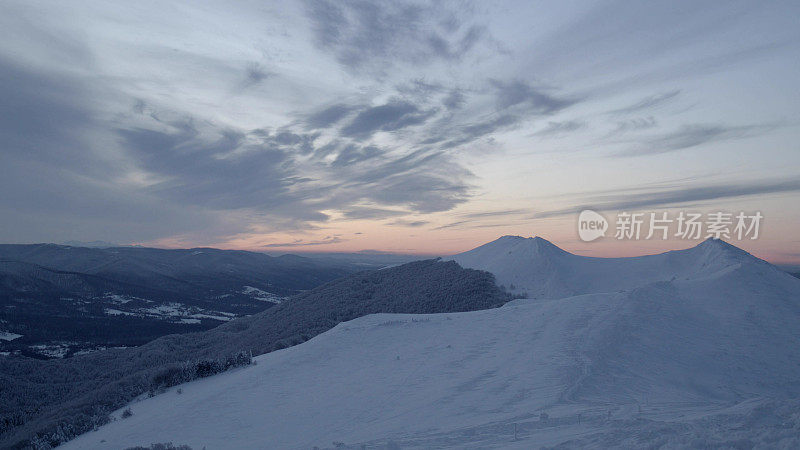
(709, 356)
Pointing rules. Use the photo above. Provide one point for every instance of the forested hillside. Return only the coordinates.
(61, 398)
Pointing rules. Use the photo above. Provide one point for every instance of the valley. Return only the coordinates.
(62, 300)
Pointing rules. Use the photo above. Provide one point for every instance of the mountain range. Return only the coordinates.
(691, 348)
(60, 300)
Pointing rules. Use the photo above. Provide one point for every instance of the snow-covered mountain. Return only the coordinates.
(536, 268)
(685, 349)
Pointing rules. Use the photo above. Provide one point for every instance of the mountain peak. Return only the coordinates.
(718, 245)
(507, 245)
(716, 242)
(509, 238)
(537, 241)
(543, 243)
(718, 252)
(540, 269)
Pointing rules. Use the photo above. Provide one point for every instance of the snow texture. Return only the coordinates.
(690, 348)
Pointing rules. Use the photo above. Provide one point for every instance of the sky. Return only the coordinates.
(406, 127)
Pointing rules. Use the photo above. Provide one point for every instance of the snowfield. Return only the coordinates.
(9, 336)
(261, 294)
(692, 348)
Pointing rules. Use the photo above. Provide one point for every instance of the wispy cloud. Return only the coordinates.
(496, 213)
(408, 223)
(255, 74)
(328, 116)
(303, 243)
(451, 225)
(514, 102)
(558, 128)
(387, 117)
(647, 197)
(634, 124)
(647, 103)
(267, 172)
(372, 213)
(533, 100)
(690, 136)
(377, 36)
(476, 219)
(282, 118)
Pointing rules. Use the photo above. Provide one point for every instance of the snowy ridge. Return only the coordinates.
(708, 356)
(536, 268)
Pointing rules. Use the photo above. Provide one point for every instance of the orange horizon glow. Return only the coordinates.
(450, 243)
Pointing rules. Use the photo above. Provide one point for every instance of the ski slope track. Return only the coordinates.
(691, 348)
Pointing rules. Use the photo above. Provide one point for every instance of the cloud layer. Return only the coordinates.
(331, 120)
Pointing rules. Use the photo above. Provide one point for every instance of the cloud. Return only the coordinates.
(468, 224)
(488, 127)
(452, 225)
(472, 132)
(181, 169)
(48, 169)
(633, 199)
(56, 179)
(514, 102)
(380, 35)
(640, 44)
(635, 124)
(387, 117)
(254, 75)
(454, 100)
(422, 181)
(372, 213)
(266, 172)
(408, 223)
(260, 172)
(474, 219)
(647, 103)
(43, 114)
(518, 93)
(353, 154)
(421, 192)
(221, 169)
(126, 156)
(556, 128)
(419, 89)
(496, 213)
(370, 104)
(690, 136)
(303, 243)
(328, 116)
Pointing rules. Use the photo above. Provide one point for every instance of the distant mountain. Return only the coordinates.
(92, 244)
(197, 269)
(65, 299)
(697, 348)
(75, 392)
(536, 268)
(367, 259)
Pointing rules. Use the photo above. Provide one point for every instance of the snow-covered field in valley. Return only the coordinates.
(693, 348)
